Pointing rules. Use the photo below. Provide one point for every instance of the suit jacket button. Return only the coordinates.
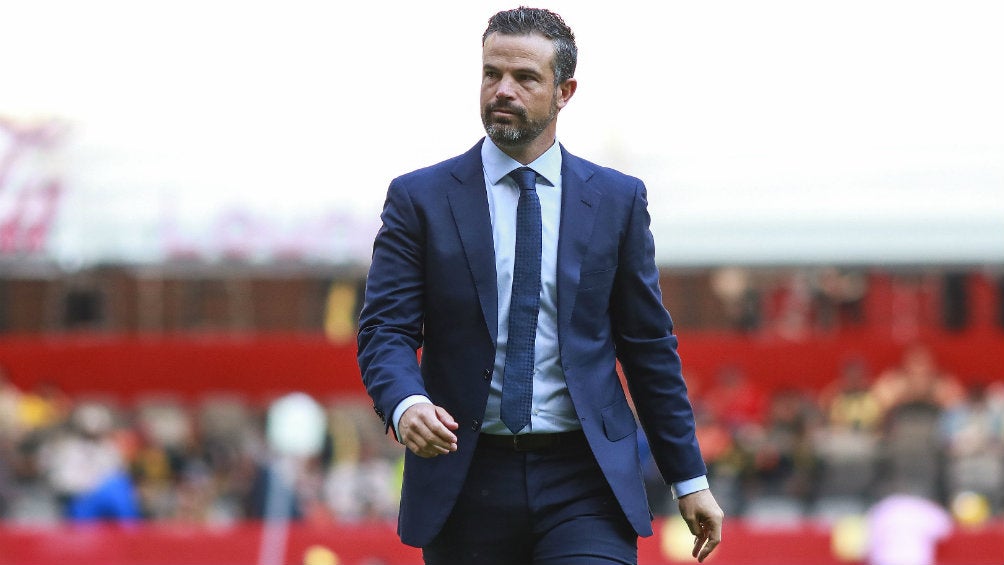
(487, 374)
(476, 425)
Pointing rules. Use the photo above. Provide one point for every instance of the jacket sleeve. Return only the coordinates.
(390, 324)
(647, 350)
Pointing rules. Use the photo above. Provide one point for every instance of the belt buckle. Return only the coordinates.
(516, 444)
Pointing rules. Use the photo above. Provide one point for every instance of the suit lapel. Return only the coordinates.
(579, 201)
(469, 204)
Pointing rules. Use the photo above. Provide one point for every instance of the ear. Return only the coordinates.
(565, 91)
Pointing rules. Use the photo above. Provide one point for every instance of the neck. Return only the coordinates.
(528, 153)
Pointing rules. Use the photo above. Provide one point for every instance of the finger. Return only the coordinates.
(425, 423)
(431, 438)
(446, 419)
(438, 435)
(438, 441)
(426, 450)
(713, 537)
(412, 422)
(709, 546)
(424, 430)
(699, 542)
(414, 434)
(417, 449)
(431, 452)
(442, 436)
(417, 437)
(444, 429)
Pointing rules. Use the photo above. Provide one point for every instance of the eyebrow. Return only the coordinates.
(517, 70)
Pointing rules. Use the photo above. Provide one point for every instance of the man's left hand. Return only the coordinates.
(704, 517)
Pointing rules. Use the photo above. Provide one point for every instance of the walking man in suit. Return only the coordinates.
(524, 273)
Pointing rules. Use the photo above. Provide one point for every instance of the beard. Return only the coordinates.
(522, 131)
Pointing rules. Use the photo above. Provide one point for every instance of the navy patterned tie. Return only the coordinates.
(517, 378)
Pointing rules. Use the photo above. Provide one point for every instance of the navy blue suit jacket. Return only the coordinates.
(432, 286)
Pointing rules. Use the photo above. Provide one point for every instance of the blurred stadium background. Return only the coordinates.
(189, 191)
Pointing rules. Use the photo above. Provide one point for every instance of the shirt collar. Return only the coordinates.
(497, 164)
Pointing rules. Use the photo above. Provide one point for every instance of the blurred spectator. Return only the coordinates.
(172, 477)
(791, 421)
(7, 484)
(288, 477)
(231, 443)
(847, 443)
(917, 380)
(912, 397)
(736, 400)
(904, 529)
(792, 312)
(226, 424)
(780, 452)
(43, 408)
(311, 493)
(838, 297)
(363, 480)
(740, 297)
(362, 490)
(10, 396)
(273, 493)
(849, 403)
(86, 469)
(973, 432)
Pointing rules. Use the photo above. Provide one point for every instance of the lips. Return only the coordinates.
(506, 111)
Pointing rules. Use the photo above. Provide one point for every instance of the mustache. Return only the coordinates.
(507, 106)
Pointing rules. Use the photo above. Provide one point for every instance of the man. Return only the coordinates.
(524, 273)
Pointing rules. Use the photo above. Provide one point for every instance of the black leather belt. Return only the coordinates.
(531, 442)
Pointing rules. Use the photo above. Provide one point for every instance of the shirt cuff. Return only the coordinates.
(405, 404)
(683, 488)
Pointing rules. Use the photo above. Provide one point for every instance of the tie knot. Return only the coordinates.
(525, 177)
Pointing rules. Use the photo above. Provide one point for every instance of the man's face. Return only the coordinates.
(519, 100)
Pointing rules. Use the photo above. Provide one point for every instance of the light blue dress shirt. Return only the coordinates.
(551, 408)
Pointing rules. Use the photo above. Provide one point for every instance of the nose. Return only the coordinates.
(506, 88)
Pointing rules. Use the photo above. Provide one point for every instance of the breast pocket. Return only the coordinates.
(602, 278)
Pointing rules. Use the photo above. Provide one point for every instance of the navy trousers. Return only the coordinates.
(549, 507)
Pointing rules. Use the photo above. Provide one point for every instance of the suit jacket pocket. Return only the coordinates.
(618, 420)
(594, 279)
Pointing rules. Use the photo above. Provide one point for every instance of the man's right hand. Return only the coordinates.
(427, 430)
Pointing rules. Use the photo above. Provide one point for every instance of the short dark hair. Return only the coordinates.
(525, 21)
